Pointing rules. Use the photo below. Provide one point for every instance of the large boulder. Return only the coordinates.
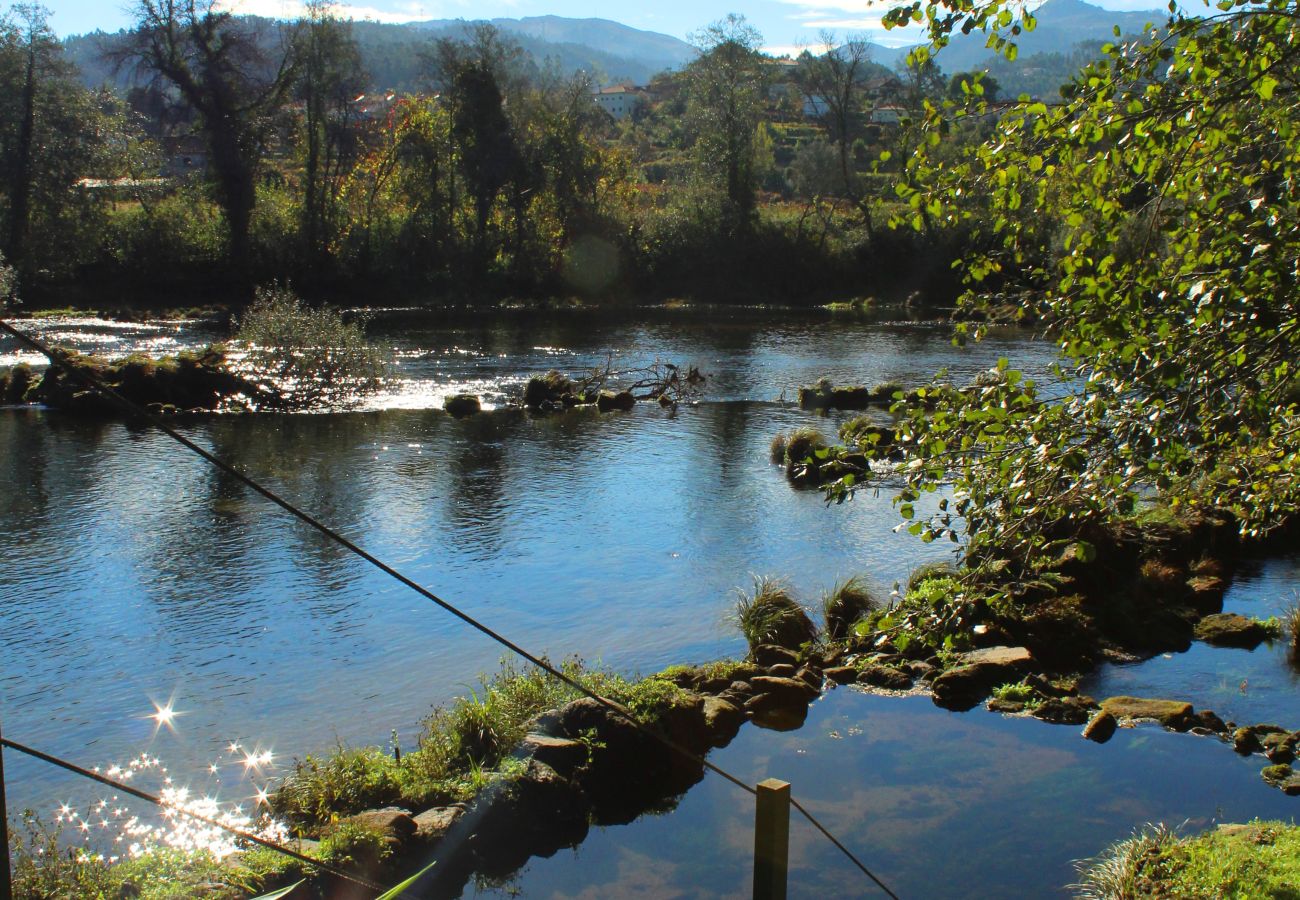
(563, 755)
(1174, 714)
(534, 814)
(722, 719)
(886, 677)
(396, 825)
(768, 655)
(432, 825)
(1064, 710)
(978, 672)
(784, 689)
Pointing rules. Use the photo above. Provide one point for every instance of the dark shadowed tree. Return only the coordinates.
(330, 77)
(475, 77)
(834, 82)
(223, 68)
(30, 59)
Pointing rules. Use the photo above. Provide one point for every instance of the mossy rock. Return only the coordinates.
(850, 398)
(461, 405)
(1175, 714)
(608, 401)
(1231, 630)
(550, 388)
(813, 398)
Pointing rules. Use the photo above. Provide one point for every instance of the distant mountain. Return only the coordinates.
(391, 53)
(1061, 26)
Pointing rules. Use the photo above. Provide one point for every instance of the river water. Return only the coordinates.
(133, 576)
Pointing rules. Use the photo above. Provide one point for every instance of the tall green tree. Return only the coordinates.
(1156, 214)
(236, 74)
(727, 89)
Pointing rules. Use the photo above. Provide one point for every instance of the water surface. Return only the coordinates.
(134, 575)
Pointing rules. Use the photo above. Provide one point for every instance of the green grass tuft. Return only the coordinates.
(1290, 626)
(847, 603)
(802, 444)
(771, 616)
(776, 451)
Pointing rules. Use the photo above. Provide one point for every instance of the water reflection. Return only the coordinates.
(938, 804)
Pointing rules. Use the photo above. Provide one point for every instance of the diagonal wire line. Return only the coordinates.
(55, 356)
(158, 801)
(812, 820)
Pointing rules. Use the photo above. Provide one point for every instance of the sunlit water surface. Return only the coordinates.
(135, 576)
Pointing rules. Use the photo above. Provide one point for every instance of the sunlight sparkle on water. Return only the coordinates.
(174, 826)
(164, 715)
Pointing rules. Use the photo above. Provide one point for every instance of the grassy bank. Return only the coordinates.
(1256, 860)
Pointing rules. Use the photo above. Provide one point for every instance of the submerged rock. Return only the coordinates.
(1282, 777)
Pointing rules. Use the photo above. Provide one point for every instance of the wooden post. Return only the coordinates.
(6, 885)
(771, 839)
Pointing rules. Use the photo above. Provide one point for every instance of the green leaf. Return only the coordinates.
(401, 888)
(282, 892)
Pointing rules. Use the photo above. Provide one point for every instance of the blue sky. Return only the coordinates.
(785, 24)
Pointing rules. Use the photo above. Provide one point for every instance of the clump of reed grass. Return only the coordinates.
(1117, 873)
(1291, 629)
(776, 451)
(802, 444)
(848, 603)
(770, 615)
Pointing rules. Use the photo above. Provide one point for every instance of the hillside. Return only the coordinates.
(392, 53)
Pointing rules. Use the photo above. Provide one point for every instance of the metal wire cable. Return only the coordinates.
(158, 801)
(812, 820)
(134, 409)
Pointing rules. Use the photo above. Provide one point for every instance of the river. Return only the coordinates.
(136, 577)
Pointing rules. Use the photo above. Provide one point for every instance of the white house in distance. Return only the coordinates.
(618, 100)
